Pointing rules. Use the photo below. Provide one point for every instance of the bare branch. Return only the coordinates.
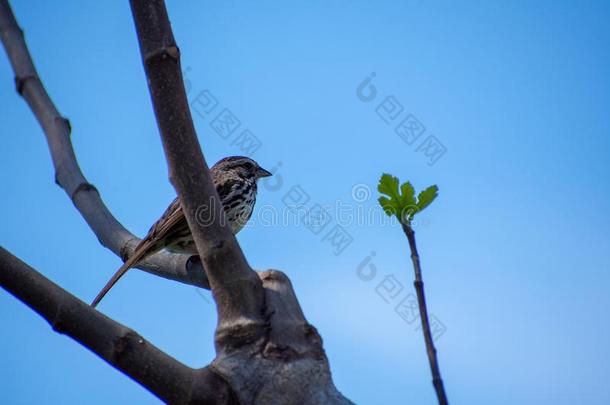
(236, 287)
(111, 234)
(121, 347)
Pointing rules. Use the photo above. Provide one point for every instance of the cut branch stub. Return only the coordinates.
(288, 364)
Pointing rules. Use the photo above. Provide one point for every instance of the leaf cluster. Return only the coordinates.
(400, 200)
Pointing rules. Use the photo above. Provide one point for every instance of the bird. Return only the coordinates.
(235, 179)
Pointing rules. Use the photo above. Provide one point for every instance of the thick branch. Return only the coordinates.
(110, 232)
(237, 289)
(121, 347)
(437, 381)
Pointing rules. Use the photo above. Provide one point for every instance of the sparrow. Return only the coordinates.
(235, 179)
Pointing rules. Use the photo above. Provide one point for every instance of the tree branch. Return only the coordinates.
(437, 381)
(111, 234)
(121, 347)
(236, 287)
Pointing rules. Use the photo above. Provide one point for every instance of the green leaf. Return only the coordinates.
(387, 206)
(426, 197)
(408, 195)
(388, 185)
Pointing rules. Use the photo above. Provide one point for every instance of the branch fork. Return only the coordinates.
(267, 352)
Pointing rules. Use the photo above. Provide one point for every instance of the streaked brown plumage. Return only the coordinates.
(235, 180)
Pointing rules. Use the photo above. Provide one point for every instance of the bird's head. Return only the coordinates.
(241, 166)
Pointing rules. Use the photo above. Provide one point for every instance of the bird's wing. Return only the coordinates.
(172, 221)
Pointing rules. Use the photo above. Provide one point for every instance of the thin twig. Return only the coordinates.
(437, 381)
(111, 234)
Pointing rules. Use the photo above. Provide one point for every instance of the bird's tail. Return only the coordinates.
(132, 261)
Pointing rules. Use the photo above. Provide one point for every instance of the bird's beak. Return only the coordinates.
(263, 173)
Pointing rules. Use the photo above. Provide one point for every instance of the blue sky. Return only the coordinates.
(515, 250)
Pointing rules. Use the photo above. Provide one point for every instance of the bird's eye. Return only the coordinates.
(249, 166)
